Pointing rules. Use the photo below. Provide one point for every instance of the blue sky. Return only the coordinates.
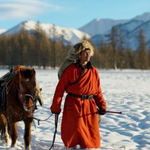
(68, 13)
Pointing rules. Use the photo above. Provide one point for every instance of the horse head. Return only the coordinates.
(26, 88)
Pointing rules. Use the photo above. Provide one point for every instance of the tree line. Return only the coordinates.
(32, 49)
(114, 54)
(36, 49)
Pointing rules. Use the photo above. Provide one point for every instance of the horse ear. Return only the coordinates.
(27, 73)
(33, 72)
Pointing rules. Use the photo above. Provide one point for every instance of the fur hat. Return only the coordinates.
(73, 55)
(83, 45)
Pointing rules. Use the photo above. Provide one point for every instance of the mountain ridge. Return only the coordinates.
(72, 35)
(94, 30)
(129, 34)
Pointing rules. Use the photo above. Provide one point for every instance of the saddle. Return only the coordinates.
(4, 82)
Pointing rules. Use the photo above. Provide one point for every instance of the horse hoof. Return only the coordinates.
(6, 141)
(13, 145)
(28, 148)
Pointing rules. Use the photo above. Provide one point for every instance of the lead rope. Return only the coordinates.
(56, 123)
(41, 119)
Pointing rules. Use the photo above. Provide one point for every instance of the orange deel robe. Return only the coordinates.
(80, 119)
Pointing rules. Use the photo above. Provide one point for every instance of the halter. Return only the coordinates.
(32, 98)
(27, 95)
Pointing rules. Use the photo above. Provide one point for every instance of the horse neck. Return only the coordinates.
(13, 87)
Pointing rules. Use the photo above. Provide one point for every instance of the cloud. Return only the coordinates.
(24, 9)
(17, 11)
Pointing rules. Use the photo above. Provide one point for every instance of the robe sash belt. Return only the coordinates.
(83, 97)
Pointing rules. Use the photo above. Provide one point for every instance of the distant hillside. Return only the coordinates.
(69, 34)
(2, 31)
(130, 31)
(95, 30)
(100, 26)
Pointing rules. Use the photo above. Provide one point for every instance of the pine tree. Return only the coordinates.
(142, 51)
(121, 51)
(53, 34)
(38, 34)
(113, 38)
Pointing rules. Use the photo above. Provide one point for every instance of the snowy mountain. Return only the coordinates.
(97, 29)
(100, 26)
(132, 36)
(70, 34)
(144, 17)
(130, 31)
(127, 28)
(2, 31)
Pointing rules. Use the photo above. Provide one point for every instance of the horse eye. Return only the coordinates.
(23, 82)
(27, 80)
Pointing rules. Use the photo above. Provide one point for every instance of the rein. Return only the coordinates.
(56, 118)
(41, 119)
(33, 99)
(54, 136)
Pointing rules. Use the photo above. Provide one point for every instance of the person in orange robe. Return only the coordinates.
(81, 82)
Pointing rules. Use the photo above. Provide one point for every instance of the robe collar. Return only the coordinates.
(88, 66)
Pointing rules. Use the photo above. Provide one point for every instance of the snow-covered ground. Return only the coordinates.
(127, 91)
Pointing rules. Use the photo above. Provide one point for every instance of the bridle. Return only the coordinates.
(34, 102)
(24, 105)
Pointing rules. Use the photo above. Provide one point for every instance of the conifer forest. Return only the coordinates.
(36, 49)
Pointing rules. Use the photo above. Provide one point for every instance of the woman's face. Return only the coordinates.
(84, 56)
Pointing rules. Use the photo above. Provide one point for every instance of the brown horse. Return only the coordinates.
(20, 106)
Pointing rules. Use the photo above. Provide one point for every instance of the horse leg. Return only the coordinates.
(4, 128)
(27, 134)
(14, 134)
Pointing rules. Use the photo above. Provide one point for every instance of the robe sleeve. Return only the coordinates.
(99, 99)
(60, 89)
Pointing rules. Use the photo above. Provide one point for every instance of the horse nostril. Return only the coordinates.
(30, 103)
